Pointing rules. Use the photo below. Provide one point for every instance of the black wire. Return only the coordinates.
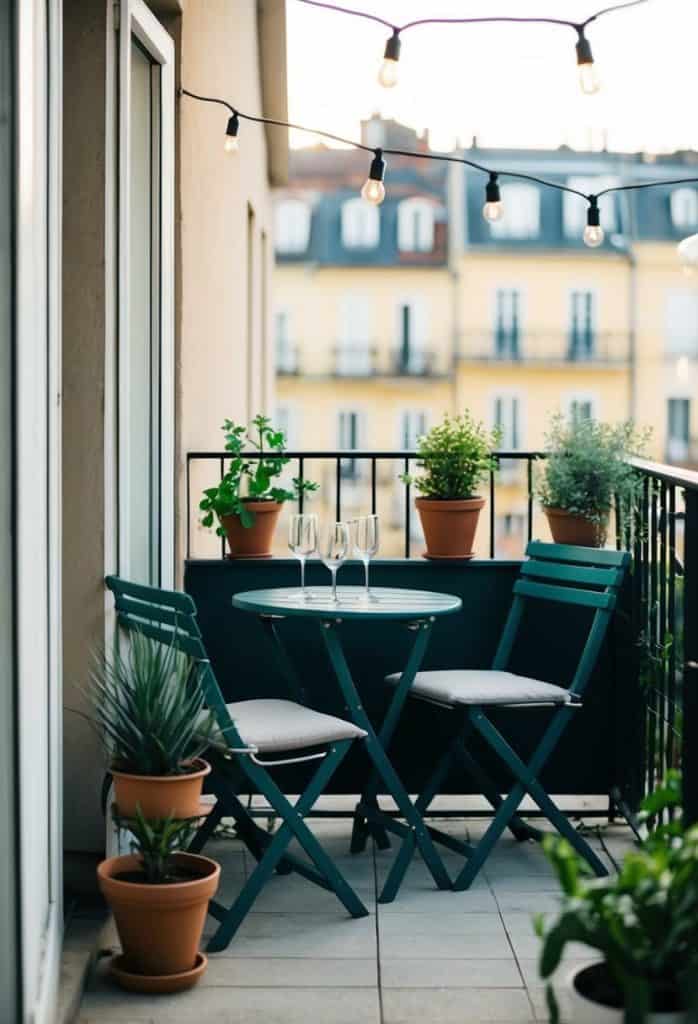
(443, 157)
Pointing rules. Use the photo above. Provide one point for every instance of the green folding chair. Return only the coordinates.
(553, 573)
(256, 735)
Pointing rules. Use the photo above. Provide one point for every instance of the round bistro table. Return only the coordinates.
(418, 610)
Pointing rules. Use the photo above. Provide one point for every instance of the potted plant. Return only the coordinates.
(643, 922)
(586, 470)
(245, 504)
(149, 708)
(455, 456)
(159, 897)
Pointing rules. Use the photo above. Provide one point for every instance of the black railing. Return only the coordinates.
(540, 346)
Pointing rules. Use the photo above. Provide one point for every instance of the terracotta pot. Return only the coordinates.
(252, 541)
(585, 1010)
(449, 526)
(567, 528)
(159, 926)
(160, 796)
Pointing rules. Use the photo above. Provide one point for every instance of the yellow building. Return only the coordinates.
(437, 310)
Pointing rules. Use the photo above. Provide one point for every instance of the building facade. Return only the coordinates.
(514, 320)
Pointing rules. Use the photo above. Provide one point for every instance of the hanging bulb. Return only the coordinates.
(231, 144)
(588, 75)
(593, 232)
(493, 208)
(388, 74)
(373, 190)
(688, 255)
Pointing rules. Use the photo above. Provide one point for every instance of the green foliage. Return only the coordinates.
(456, 455)
(157, 841)
(250, 479)
(587, 467)
(149, 707)
(643, 922)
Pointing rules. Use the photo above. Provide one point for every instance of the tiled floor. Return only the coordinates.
(430, 957)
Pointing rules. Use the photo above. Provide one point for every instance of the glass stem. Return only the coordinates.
(302, 561)
(365, 561)
(334, 584)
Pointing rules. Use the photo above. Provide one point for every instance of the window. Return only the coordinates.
(682, 323)
(413, 425)
(292, 225)
(574, 208)
(286, 361)
(684, 208)
(582, 324)
(360, 224)
(415, 225)
(349, 437)
(581, 406)
(678, 429)
(354, 355)
(286, 419)
(520, 214)
(411, 336)
(506, 415)
(507, 323)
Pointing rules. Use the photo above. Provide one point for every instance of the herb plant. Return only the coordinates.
(149, 707)
(644, 921)
(156, 842)
(587, 468)
(249, 479)
(455, 456)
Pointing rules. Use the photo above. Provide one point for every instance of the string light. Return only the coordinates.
(231, 144)
(593, 232)
(493, 208)
(388, 74)
(688, 254)
(588, 75)
(373, 190)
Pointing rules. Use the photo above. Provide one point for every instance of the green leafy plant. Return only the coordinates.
(156, 842)
(643, 922)
(455, 456)
(149, 708)
(587, 467)
(249, 479)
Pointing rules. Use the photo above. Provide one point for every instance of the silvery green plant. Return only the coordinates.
(642, 921)
(455, 457)
(156, 841)
(150, 707)
(587, 467)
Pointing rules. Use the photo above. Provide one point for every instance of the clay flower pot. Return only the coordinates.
(252, 541)
(449, 526)
(159, 926)
(583, 982)
(160, 796)
(567, 528)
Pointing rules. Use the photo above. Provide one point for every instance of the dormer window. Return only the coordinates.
(360, 224)
(520, 214)
(415, 225)
(574, 208)
(292, 225)
(684, 209)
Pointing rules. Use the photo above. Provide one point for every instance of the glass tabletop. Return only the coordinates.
(352, 603)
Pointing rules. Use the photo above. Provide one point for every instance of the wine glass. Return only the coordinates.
(366, 542)
(334, 550)
(302, 539)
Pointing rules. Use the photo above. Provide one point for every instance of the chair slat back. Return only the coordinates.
(566, 574)
(169, 616)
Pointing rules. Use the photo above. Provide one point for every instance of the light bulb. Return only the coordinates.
(373, 191)
(593, 235)
(231, 134)
(231, 144)
(493, 211)
(688, 254)
(589, 80)
(388, 74)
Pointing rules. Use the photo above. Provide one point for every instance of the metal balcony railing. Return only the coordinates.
(541, 346)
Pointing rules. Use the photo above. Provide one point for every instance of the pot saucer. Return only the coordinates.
(157, 983)
(448, 558)
(242, 558)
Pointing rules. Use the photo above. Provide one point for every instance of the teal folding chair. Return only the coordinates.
(256, 735)
(587, 577)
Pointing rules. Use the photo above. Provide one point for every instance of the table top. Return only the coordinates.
(383, 603)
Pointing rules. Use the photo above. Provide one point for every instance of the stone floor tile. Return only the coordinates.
(476, 1006)
(443, 936)
(284, 894)
(450, 973)
(420, 896)
(290, 972)
(323, 936)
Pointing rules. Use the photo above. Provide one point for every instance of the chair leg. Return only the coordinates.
(207, 828)
(520, 829)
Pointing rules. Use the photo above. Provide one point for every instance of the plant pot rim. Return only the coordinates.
(199, 773)
(110, 866)
(261, 503)
(580, 969)
(475, 500)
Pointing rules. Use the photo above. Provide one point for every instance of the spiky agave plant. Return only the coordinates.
(156, 842)
(150, 707)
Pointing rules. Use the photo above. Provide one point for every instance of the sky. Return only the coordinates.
(508, 85)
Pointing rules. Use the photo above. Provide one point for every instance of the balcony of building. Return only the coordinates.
(542, 347)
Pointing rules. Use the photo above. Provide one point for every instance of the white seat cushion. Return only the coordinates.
(274, 725)
(482, 686)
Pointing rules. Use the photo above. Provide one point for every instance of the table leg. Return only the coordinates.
(376, 752)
